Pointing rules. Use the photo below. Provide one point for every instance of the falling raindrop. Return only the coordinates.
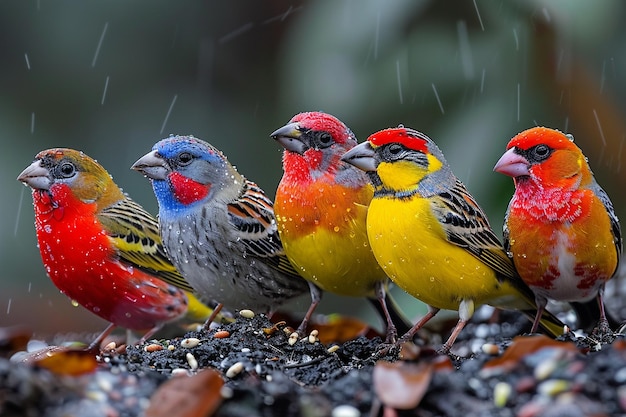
(9, 306)
(27, 61)
(104, 92)
(399, 81)
(480, 20)
(437, 97)
(95, 56)
(169, 111)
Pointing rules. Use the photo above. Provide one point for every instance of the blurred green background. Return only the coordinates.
(112, 77)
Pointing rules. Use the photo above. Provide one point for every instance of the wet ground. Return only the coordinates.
(252, 367)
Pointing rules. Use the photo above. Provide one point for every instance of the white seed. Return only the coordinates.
(246, 314)
(110, 346)
(313, 336)
(490, 349)
(180, 372)
(345, 411)
(191, 360)
(234, 370)
(293, 338)
(190, 342)
(171, 348)
(333, 349)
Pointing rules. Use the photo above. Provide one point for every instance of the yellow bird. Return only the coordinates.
(430, 236)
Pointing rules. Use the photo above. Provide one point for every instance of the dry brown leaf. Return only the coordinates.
(523, 346)
(195, 396)
(401, 385)
(63, 360)
(340, 329)
(13, 339)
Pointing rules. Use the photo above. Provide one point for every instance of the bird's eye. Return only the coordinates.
(67, 169)
(541, 152)
(325, 137)
(323, 140)
(395, 149)
(185, 158)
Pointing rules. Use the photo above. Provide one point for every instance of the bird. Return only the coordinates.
(99, 247)
(218, 227)
(431, 237)
(321, 205)
(560, 228)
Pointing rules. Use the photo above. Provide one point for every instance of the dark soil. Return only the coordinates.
(267, 376)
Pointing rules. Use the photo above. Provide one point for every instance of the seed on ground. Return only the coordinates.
(293, 338)
(153, 347)
(191, 360)
(221, 334)
(234, 370)
(246, 314)
(189, 342)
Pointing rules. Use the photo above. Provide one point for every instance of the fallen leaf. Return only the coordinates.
(521, 347)
(195, 396)
(63, 360)
(340, 329)
(13, 339)
(401, 385)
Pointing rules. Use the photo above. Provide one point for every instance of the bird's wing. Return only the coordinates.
(466, 226)
(135, 234)
(252, 216)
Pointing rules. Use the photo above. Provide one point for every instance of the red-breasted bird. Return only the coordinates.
(560, 227)
(321, 206)
(431, 237)
(98, 246)
(218, 227)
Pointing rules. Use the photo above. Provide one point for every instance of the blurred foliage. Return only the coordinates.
(111, 78)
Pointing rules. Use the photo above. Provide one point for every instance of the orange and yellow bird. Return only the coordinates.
(321, 206)
(560, 227)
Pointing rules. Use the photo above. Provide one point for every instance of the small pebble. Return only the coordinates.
(191, 360)
(153, 347)
(293, 338)
(234, 370)
(245, 350)
(501, 394)
(226, 392)
(490, 349)
(221, 334)
(190, 342)
(246, 314)
(345, 411)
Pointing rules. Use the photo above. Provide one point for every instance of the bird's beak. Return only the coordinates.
(152, 165)
(362, 156)
(290, 138)
(512, 164)
(36, 176)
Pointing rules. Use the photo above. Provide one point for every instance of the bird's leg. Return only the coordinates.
(95, 345)
(541, 306)
(408, 336)
(316, 297)
(391, 331)
(466, 311)
(216, 311)
(602, 332)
